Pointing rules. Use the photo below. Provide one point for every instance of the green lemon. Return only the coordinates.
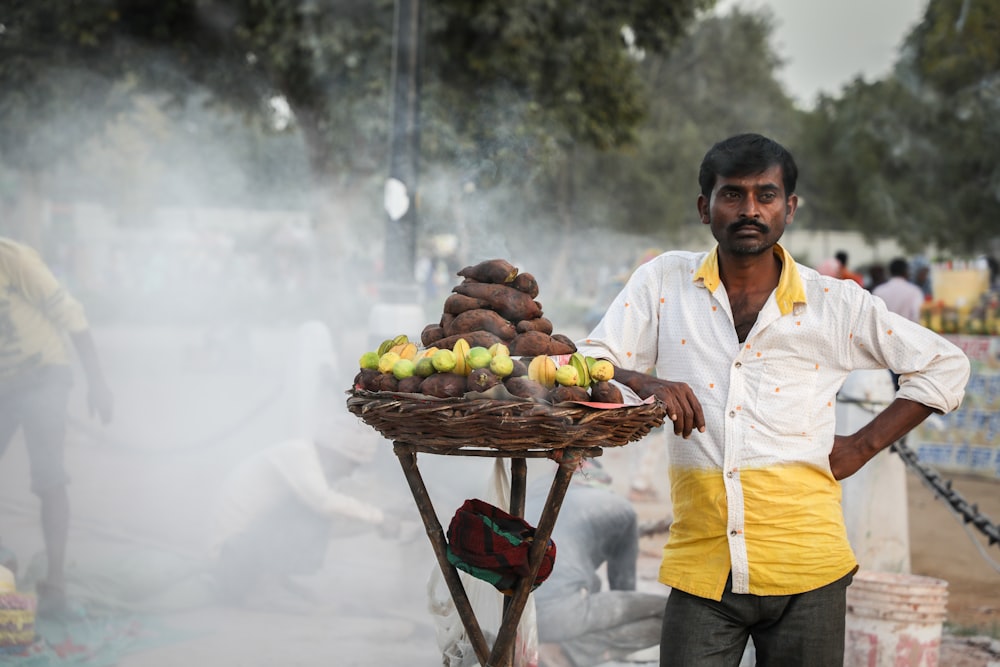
(478, 357)
(425, 367)
(369, 360)
(387, 361)
(403, 368)
(567, 375)
(502, 366)
(443, 361)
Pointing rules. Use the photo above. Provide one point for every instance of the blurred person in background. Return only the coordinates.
(36, 314)
(901, 296)
(278, 510)
(750, 349)
(876, 276)
(845, 271)
(922, 278)
(579, 623)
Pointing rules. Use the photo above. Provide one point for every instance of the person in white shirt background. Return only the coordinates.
(278, 510)
(900, 295)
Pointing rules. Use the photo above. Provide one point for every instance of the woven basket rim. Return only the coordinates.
(516, 425)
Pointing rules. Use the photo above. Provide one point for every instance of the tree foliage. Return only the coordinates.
(559, 67)
(913, 156)
(719, 81)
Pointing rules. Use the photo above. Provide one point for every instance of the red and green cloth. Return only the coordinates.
(492, 545)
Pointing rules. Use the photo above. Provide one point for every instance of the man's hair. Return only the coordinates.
(841, 256)
(899, 267)
(743, 155)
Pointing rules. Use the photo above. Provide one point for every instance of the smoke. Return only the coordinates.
(194, 243)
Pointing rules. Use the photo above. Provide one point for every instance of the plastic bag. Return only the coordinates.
(486, 601)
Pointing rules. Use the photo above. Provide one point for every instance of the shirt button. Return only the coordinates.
(733, 533)
(739, 364)
(729, 474)
(732, 413)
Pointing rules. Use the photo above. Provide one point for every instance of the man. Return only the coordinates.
(279, 509)
(579, 624)
(900, 295)
(845, 272)
(35, 380)
(750, 349)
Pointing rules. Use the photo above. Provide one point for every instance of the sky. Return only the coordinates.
(825, 44)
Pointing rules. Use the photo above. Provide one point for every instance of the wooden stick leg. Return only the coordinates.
(408, 461)
(503, 648)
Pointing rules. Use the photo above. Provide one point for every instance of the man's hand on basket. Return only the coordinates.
(683, 407)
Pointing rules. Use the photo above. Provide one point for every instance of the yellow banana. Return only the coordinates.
(461, 350)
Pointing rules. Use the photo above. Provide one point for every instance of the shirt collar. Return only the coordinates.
(789, 292)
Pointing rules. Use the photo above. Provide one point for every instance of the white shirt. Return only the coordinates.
(754, 493)
(901, 297)
(272, 476)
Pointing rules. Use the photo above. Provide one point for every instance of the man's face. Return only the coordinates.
(748, 214)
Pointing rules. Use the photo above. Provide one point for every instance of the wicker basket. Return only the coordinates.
(507, 425)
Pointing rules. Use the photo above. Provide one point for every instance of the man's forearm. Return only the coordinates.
(83, 342)
(851, 452)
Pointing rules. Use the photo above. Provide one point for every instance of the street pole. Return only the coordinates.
(399, 308)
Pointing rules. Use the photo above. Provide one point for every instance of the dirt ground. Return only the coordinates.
(186, 413)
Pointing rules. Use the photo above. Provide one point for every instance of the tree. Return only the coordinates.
(560, 63)
(912, 156)
(717, 82)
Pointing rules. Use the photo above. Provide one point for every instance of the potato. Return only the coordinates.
(605, 392)
(526, 283)
(481, 379)
(562, 393)
(386, 382)
(367, 379)
(562, 344)
(410, 385)
(512, 304)
(542, 324)
(490, 271)
(459, 303)
(474, 338)
(530, 344)
(431, 334)
(524, 387)
(444, 385)
(481, 319)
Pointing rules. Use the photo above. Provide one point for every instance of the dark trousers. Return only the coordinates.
(787, 630)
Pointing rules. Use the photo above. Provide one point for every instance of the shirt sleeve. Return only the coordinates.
(36, 283)
(627, 335)
(933, 371)
(299, 465)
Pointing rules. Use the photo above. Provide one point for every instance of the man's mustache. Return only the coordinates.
(748, 222)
